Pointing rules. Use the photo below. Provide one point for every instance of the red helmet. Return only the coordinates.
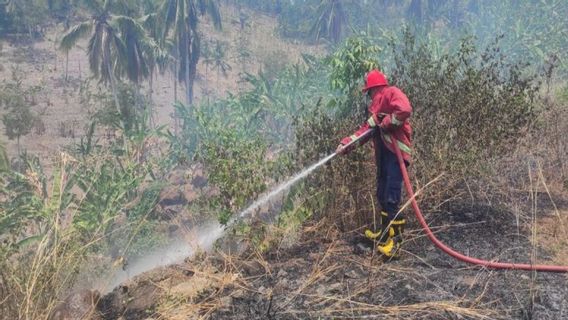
(375, 78)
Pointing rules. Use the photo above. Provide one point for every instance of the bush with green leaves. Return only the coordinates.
(235, 160)
(470, 106)
(341, 191)
(348, 65)
(242, 140)
(246, 142)
(97, 201)
(54, 223)
(18, 101)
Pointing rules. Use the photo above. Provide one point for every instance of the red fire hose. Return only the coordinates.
(450, 251)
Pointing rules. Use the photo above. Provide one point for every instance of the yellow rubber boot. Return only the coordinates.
(369, 234)
(390, 248)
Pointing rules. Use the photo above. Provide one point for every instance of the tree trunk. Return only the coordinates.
(188, 85)
(176, 123)
(66, 65)
(117, 104)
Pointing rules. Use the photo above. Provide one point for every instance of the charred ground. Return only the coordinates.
(330, 274)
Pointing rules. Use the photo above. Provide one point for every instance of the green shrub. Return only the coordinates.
(237, 167)
(18, 101)
(470, 106)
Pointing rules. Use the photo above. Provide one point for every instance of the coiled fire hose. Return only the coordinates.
(440, 244)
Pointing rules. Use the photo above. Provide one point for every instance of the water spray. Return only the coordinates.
(290, 182)
(210, 232)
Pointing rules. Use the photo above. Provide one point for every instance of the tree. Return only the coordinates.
(118, 45)
(18, 122)
(103, 42)
(18, 101)
(218, 58)
(179, 20)
(331, 20)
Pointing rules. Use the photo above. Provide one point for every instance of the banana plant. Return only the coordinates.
(34, 202)
(107, 187)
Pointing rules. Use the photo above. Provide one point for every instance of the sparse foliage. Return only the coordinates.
(455, 97)
(17, 100)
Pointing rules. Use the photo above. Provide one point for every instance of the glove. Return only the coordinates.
(390, 123)
(342, 149)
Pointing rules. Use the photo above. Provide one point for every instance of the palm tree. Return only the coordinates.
(137, 49)
(331, 20)
(162, 55)
(179, 20)
(104, 43)
(118, 45)
(217, 59)
(141, 55)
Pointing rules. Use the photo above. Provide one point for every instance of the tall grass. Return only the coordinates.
(69, 225)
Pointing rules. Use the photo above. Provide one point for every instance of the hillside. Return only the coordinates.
(63, 117)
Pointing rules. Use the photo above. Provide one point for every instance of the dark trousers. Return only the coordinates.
(389, 180)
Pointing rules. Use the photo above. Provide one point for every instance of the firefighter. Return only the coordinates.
(389, 111)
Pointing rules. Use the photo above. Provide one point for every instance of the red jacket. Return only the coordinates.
(390, 110)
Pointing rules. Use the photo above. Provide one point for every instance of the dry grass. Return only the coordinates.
(340, 310)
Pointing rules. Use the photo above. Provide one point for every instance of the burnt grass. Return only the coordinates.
(329, 274)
